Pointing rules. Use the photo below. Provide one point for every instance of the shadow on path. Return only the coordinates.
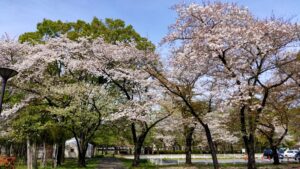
(110, 163)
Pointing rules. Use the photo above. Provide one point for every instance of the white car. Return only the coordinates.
(290, 153)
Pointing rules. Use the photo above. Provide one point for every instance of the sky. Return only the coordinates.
(150, 18)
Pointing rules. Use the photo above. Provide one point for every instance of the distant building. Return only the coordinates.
(71, 150)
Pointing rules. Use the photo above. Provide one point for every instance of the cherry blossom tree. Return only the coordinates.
(189, 130)
(218, 123)
(12, 54)
(168, 132)
(275, 120)
(244, 54)
(84, 112)
(171, 129)
(183, 82)
(23, 58)
(122, 66)
(41, 70)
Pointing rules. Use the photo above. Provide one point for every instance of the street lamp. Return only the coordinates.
(5, 73)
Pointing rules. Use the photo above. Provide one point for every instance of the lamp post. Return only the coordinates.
(5, 73)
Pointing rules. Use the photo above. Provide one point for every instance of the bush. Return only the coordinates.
(179, 152)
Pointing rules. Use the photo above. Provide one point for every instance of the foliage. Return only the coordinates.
(34, 122)
(112, 31)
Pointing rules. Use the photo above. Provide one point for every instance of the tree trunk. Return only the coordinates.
(59, 154)
(249, 141)
(116, 150)
(137, 154)
(106, 149)
(34, 156)
(23, 154)
(251, 152)
(11, 151)
(216, 146)
(44, 155)
(207, 132)
(81, 158)
(188, 144)
(54, 155)
(211, 146)
(82, 149)
(7, 149)
(139, 140)
(275, 155)
(63, 151)
(250, 149)
(138, 143)
(29, 154)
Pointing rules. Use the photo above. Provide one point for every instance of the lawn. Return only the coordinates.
(69, 163)
(145, 164)
(260, 166)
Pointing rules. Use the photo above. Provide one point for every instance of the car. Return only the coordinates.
(280, 156)
(290, 153)
(281, 152)
(268, 153)
(297, 156)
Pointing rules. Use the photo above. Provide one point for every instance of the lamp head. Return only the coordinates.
(7, 73)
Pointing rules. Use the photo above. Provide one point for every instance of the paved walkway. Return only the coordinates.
(110, 163)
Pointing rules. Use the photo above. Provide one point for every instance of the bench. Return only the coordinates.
(7, 162)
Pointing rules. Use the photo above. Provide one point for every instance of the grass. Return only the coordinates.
(68, 164)
(260, 166)
(145, 164)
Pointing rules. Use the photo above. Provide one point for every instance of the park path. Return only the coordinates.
(110, 163)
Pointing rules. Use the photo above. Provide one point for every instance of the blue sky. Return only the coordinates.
(149, 17)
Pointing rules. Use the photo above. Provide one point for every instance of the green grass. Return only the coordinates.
(242, 166)
(68, 164)
(145, 164)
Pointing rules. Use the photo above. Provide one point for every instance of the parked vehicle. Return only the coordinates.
(297, 156)
(290, 153)
(268, 153)
(280, 156)
(281, 153)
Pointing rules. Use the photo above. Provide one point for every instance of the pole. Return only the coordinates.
(5, 73)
